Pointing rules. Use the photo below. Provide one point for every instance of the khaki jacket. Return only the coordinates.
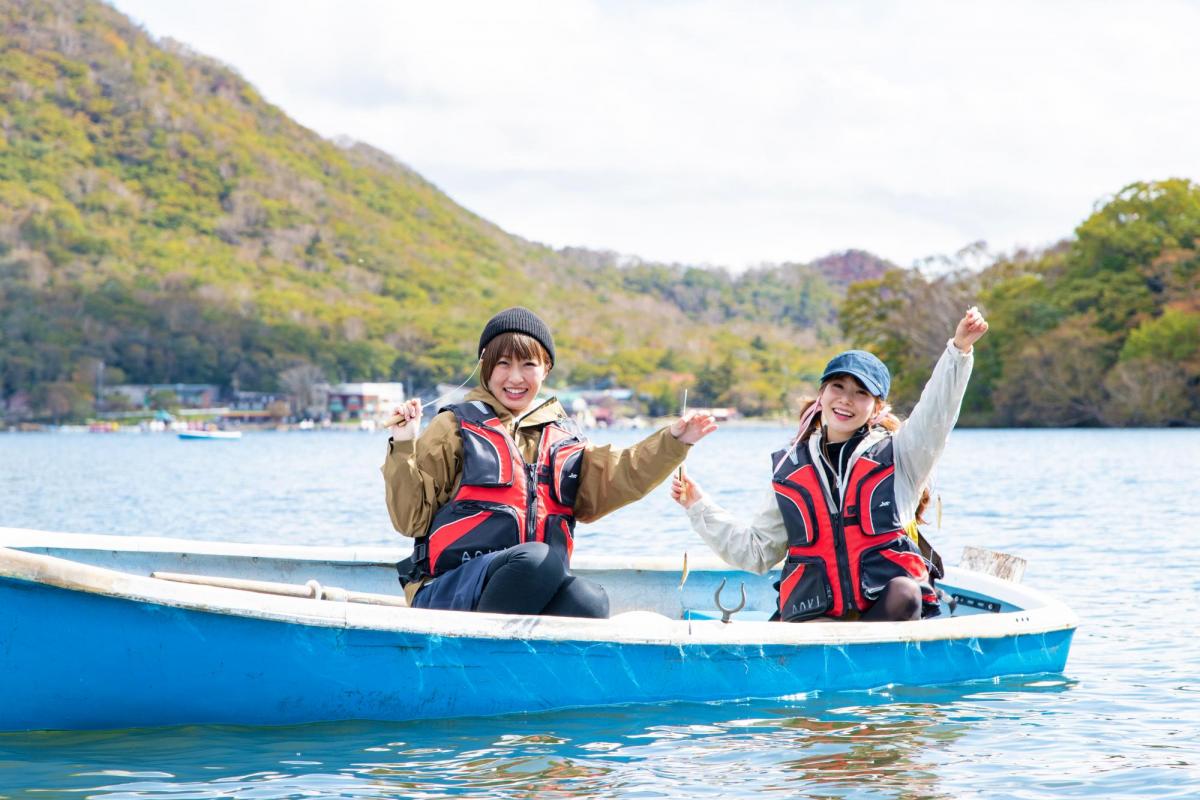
(420, 477)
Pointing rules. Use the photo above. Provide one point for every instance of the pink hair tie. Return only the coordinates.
(809, 413)
(807, 417)
(805, 420)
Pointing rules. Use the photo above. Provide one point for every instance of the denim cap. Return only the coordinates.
(864, 366)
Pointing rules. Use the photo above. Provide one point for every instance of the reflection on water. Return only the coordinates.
(1105, 518)
(887, 743)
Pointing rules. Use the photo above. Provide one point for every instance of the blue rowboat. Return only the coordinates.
(89, 639)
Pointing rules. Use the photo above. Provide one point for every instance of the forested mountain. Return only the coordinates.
(161, 222)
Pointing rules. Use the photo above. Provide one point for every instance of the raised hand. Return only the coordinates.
(405, 421)
(970, 328)
(693, 426)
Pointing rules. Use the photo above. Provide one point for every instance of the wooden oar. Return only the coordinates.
(312, 589)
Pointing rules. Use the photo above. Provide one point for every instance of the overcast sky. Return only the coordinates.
(734, 133)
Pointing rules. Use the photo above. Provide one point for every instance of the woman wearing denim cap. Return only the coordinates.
(848, 492)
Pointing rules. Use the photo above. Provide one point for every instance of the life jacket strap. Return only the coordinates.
(415, 567)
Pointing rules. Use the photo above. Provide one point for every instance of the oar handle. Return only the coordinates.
(311, 589)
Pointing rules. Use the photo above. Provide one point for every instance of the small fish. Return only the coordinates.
(938, 506)
(684, 576)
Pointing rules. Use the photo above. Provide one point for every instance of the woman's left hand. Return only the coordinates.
(693, 426)
(970, 329)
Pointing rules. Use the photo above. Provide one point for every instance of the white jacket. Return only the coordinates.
(917, 446)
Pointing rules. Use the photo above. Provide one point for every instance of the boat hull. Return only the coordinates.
(214, 436)
(75, 658)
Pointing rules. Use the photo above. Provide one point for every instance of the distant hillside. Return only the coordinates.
(804, 295)
(161, 222)
(852, 266)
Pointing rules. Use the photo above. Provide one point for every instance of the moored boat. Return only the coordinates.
(89, 639)
(216, 435)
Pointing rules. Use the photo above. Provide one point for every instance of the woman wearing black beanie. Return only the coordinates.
(492, 489)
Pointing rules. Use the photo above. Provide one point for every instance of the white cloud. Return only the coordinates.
(735, 133)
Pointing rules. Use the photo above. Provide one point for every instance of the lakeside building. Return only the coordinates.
(261, 407)
(364, 401)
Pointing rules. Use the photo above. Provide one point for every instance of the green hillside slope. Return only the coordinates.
(160, 221)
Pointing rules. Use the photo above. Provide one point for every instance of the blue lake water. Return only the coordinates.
(1107, 519)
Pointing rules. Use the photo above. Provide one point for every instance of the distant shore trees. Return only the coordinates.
(1100, 330)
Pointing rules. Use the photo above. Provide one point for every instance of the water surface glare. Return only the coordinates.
(1105, 518)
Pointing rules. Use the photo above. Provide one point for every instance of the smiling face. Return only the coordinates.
(846, 406)
(514, 367)
(516, 382)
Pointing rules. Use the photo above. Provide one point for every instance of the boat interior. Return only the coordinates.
(705, 589)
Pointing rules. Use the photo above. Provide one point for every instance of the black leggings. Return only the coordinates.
(899, 600)
(532, 579)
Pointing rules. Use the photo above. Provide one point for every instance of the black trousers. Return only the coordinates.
(532, 579)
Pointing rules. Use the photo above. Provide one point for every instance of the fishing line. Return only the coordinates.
(399, 419)
(455, 389)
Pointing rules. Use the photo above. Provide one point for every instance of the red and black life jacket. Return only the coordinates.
(840, 559)
(502, 501)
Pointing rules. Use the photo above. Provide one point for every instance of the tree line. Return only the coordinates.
(1101, 329)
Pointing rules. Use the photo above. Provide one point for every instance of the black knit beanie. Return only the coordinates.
(518, 320)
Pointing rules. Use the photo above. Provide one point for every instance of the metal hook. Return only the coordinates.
(950, 600)
(727, 613)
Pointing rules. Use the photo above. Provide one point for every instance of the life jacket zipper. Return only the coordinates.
(531, 487)
(531, 504)
(843, 559)
(530, 471)
(841, 556)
